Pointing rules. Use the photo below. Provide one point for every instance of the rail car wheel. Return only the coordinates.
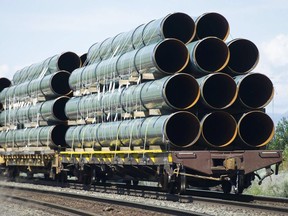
(226, 187)
(239, 184)
(30, 175)
(135, 182)
(180, 182)
(12, 173)
(62, 177)
(87, 176)
(166, 182)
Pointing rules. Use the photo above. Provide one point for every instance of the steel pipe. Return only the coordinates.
(211, 24)
(176, 25)
(175, 92)
(8, 117)
(165, 58)
(82, 136)
(244, 57)
(52, 136)
(49, 111)
(49, 87)
(255, 129)
(83, 59)
(219, 129)
(180, 129)
(218, 90)
(7, 139)
(255, 90)
(207, 56)
(4, 83)
(67, 61)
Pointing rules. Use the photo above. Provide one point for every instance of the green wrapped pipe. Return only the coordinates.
(244, 57)
(164, 58)
(176, 92)
(219, 129)
(255, 90)
(4, 83)
(48, 111)
(52, 136)
(175, 25)
(255, 129)
(49, 87)
(67, 61)
(218, 90)
(180, 129)
(211, 24)
(207, 56)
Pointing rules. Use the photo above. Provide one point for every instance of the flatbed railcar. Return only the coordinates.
(168, 102)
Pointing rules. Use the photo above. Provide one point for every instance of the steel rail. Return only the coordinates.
(147, 207)
(50, 205)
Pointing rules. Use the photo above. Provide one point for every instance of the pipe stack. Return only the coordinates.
(34, 114)
(173, 82)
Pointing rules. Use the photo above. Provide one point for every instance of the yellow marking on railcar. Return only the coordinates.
(114, 152)
(108, 156)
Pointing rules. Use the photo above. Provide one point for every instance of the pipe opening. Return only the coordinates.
(212, 24)
(69, 61)
(256, 129)
(58, 135)
(219, 129)
(60, 83)
(59, 108)
(182, 129)
(219, 91)
(211, 54)
(83, 59)
(256, 91)
(182, 91)
(171, 56)
(180, 26)
(4, 83)
(244, 56)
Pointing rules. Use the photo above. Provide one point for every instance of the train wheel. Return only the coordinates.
(166, 183)
(62, 177)
(181, 183)
(30, 175)
(46, 176)
(226, 187)
(135, 182)
(12, 173)
(87, 176)
(239, 184)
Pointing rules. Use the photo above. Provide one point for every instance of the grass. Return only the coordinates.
(275, 185)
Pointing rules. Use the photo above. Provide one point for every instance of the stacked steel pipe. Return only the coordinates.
(34, 114)
(173, 82)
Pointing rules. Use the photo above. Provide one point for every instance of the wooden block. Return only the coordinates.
(79, 150)
(140, 114)
(155, 112)
(126, 115)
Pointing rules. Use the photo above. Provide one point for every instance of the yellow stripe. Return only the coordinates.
(113, 152)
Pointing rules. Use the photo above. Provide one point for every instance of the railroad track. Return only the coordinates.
(66, 203)
(277, 206)
(273, 204)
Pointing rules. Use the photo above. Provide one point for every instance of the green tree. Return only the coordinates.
(280, 140)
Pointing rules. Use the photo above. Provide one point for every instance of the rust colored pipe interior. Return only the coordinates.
(212, 24)
(179, 26)
(171, 56)
(219, 129)
(255, 90)
(256, 129)
(182, 129)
